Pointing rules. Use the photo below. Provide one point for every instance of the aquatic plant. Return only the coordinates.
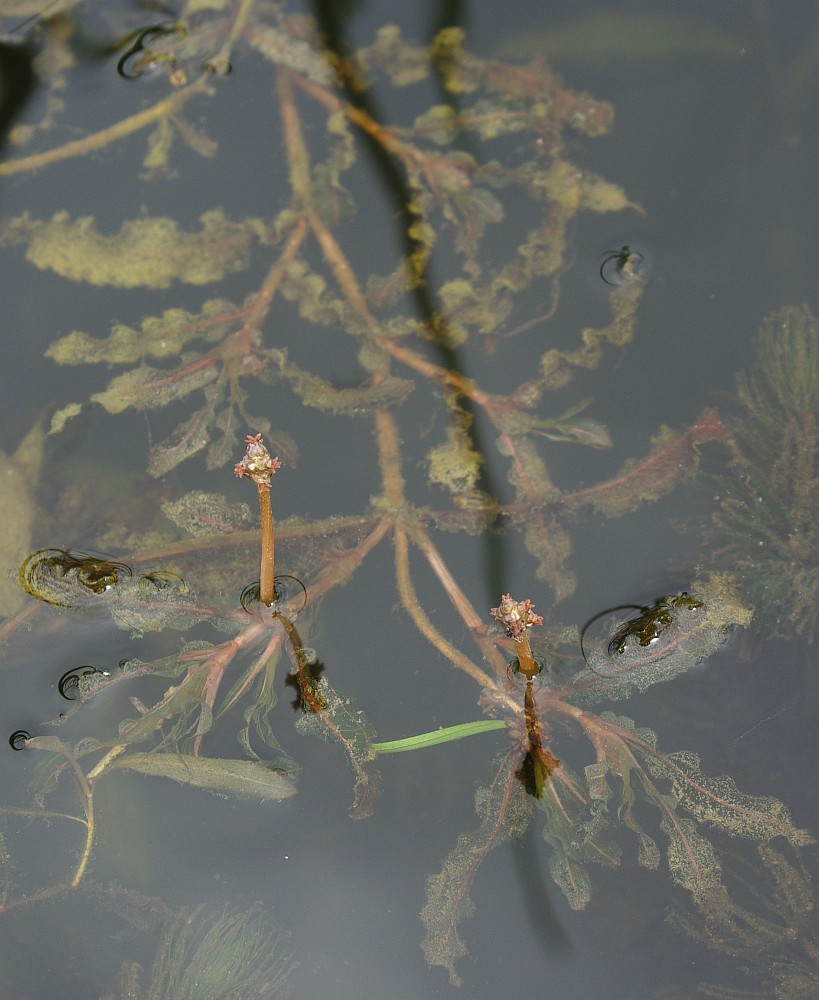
(228, 955)
(769, 922)
(405, 329)
(765, 527)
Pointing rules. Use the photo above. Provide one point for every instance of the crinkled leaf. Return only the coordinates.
(632, 755)
(333, 720)
(283, 49)
(438, 124)
(63, 415)
(575, 822)
(504, 810)
(139, 604)
(205, 515)
(186, 439)
(164, 336)
(558, 367)
(455, 465)
(719, 802)
(528, 473)
(245, 779)
(148, 253)
(405, 64)
(692, 860)
(147, 388)
(551, 545)
(673, 458)
(359, 402)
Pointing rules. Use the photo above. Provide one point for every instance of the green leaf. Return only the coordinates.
(147, 388)
(206, 515)
(437, 736)
(246, 779)
(146, 253)
(164, 336)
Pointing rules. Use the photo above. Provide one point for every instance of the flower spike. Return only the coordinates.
(517, 617)
(256, 463)
(258, 466)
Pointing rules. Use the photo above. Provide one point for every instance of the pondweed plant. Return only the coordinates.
(766, 523)
(489, 159)
(225, 955)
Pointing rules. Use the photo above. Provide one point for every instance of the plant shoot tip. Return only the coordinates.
(515, 616)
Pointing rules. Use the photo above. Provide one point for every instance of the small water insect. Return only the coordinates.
(621, 265)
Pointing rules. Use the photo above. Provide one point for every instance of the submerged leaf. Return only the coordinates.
(333, 720)
(185, 440)
(608, 40)
(205, 515)
(765, 525)
(504, 809)
(719, 802)
(147, 388)
(245, 779)
(314, 391)
(575, 824)
(163, 336)
(148, 253)
(232, 955)
(674, 457)
(19, 475)
(630, 755)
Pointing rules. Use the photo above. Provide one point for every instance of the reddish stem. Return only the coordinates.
(527, 664)
(267, 588)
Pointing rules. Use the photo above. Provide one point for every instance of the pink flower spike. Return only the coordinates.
(257, 463)
(515, 616)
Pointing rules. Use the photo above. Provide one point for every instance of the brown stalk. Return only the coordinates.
(267, 589)
(260, 467)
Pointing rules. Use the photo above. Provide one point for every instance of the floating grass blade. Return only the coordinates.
(446, 735)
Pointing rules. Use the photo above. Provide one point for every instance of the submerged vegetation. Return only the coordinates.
(766, 525)
(489, 160)
(227, 955)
